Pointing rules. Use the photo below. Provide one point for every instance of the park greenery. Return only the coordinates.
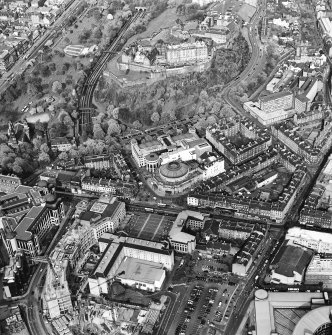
(54, 76)
(179, 96)
(242, 92)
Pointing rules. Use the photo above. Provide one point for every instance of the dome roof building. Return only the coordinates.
(174, 171)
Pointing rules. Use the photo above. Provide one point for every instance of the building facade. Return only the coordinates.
(185, 53)
(108, 186)
(26, 234)
(318, 241)
(8, 184)
(98, 162)
(319, 270)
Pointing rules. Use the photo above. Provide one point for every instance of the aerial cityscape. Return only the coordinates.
(165, 167)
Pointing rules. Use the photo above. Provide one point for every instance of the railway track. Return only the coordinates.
(85, 99)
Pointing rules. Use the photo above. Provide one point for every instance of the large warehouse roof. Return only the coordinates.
(141, 270)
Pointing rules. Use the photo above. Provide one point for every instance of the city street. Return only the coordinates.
(38, 45)
(172, 310)
(31, 299)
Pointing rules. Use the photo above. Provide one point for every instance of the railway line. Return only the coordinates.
(86, 95)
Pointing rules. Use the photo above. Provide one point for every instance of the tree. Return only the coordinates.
(56, 87)
(216, 107)
(84, 36)
(211, 120)
(52, 67)
(66, 66)
(3, 138)
(17, 169)
(58, 129)
(115, 113)
(201, 110)
(226, 111)
(97, 33)
(63, 156)
(44, 158)
(73, 153)
(137, 124)
(155, 117)
(99, 147)
(32, 89)
(67, 120)
(203, 97)
(97, 15)
(39, 126)
(44, 148)
(98, 132)
(26, 150)
(82, 150)
(74, 114)
(36, 143)
(167, 116)
(45, 71)
(113, 127)
(110, 110)
(202, 123)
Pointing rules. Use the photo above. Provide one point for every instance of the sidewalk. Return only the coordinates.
(245, 318)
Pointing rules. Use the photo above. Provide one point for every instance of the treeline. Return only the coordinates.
(179, 96)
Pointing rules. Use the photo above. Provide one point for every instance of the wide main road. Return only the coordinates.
(31, 299)
(256, 61)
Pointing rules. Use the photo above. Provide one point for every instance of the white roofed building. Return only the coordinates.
(319, 270)
(318, 241)
(181, 241)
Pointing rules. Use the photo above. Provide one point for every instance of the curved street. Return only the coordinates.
(31, 300)
(255, 64)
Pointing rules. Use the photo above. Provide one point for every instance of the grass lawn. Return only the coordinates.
(164, 20)
(73, 35)
(87, 23)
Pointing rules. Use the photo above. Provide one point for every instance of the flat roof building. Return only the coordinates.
(141, 274)
(118, 248)
(280, 312)
(319, 270)
(318, 241)
(182, 241)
